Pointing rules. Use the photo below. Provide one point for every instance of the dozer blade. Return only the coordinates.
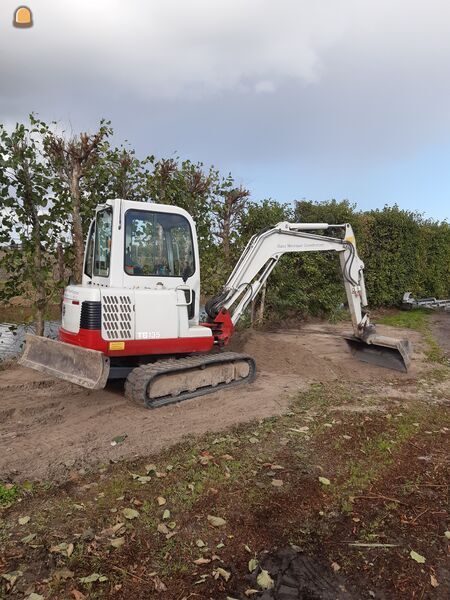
(383, 351)
(88, 368)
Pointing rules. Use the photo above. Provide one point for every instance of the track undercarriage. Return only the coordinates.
(151, 381)
(173, 380)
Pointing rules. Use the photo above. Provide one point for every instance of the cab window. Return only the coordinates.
(102, 251)
(89, 260)
(158, 245)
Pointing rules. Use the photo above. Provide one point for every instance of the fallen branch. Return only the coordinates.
(379, 497)
(371, 545)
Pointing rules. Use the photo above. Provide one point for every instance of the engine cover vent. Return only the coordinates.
(117, 316)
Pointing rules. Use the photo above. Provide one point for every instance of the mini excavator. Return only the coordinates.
(136, 314)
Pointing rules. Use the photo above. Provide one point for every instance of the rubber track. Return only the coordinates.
(140, 378)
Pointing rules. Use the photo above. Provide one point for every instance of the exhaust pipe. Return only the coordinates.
(85, 367)
(382, 351)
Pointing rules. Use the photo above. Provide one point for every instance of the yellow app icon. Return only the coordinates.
(23, 17)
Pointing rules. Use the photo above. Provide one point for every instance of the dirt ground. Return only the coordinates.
(328, 480)
(49, 428)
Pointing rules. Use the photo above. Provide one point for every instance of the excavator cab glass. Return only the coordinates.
(102, 246)
(158, 244)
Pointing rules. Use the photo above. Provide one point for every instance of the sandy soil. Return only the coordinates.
(49, 429)
(441, 330)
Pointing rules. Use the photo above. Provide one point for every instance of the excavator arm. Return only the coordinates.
(261, 255)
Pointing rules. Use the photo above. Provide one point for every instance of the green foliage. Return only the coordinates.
(7, 494)
(402, 251)
(29, 227)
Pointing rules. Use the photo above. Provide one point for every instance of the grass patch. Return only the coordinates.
(7, 494)
(417, 319)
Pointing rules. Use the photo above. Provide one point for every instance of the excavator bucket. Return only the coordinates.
(88, 368)
(383, 351)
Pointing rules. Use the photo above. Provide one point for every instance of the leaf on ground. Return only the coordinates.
(264, 580)
(447, 534)
(144, 478)
(63, 548)
(119, 439)
(166, 514)
(219, 572)
(324, 481)
(78, 595)
(130, 513)
(200, 543)
(277, 482)
(163, 528)
(216, 521)
(62, 574)
(227, 457)
(251, 592)
(161, 500)
(417, 557)
(252, 564)
(23, 520)
(28, 538)
(117, 527)
(34, 596)
(117, 542)
(335, 566)
(248, 549)
(12, 577)
(434, 582)
(202, 561)
(253, 440)
(303, 429)
(160, 586)
(93, 577)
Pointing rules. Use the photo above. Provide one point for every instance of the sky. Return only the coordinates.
(345, 99)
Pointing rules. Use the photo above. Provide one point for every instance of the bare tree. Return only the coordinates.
(72, 159)
(228, 210)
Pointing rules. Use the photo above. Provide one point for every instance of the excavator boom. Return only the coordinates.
(261, 256)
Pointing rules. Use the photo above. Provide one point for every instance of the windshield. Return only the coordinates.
(158, 244)
(103, 233)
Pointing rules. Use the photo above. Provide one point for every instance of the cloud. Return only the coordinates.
(334, 85)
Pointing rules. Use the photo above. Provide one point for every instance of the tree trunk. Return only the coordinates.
(262, 303)
(61, 269)
(77, 225)
(39, 275)
(253, 312)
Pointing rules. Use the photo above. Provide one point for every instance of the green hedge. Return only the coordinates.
(401, 250)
